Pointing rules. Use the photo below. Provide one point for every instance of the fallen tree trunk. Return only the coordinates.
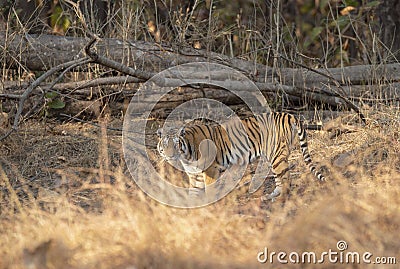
(142, 60)
(41, 52)
(380, 92)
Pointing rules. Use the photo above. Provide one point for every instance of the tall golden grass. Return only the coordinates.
(67, 200)
(68, 218)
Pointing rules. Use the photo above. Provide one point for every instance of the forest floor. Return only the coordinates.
(67, 200)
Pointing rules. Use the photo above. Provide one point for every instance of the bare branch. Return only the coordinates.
(35, 84)
(115, 65)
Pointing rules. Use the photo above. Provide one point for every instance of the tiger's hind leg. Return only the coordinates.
(280, 167)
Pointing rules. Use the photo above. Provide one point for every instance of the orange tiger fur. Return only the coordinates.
(270, 135)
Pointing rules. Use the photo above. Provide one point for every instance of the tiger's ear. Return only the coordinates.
(160, 132)
(181, 131)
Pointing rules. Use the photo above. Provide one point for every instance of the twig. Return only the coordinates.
(95, 83)
(88, 122)
(38, 102)
(72, 66)
(96, 125)
(9, 96)
(143, 75)
(50, 88)
(32, 86)
(75, 85)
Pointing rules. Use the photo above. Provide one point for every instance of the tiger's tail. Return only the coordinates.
(301, 132)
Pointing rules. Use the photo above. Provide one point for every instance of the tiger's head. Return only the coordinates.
(172, 144)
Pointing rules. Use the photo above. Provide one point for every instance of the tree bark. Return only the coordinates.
(43, 52)
(389, 26)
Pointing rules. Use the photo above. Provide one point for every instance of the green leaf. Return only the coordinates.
(373, 4)
(342, 21)
(66, 24)
(51, 95)
(353, 3)
(315, 32)
(56, 16)
(59, 20)
(307, 7)
(56, 104)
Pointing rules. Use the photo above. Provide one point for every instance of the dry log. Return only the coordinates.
(380, 92)
(41, 52)
(142, 60)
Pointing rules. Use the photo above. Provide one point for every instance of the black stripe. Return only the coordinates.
(284, 171)
(209, 132)
(281, 160)
(201, 130)
(226, 146)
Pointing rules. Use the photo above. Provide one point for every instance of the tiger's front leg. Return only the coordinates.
(197, 184)
(211, 175)
(200, 181)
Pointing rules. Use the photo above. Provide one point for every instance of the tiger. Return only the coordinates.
(237, 142)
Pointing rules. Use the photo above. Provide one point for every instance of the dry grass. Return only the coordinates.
(68, 201)
(60, 211)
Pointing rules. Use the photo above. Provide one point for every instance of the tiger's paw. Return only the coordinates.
(271, 197)
(196, 192)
